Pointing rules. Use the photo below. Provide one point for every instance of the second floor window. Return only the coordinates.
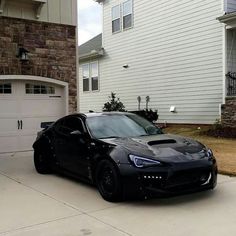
(127, 14)
(116, 21)
(126, 21)
(90, 76)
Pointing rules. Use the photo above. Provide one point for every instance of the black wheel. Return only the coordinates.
(108, 181)
(41, 162)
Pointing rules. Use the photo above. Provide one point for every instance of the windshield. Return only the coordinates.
(121, 126)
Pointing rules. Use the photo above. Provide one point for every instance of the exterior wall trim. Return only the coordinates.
(225, 62)
(42, 79)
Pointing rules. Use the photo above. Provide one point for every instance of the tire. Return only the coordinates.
(41, 162)
(108, 181)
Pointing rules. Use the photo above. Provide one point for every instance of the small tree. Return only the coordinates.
(114, 104)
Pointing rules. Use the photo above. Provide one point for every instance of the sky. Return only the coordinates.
(90, 20)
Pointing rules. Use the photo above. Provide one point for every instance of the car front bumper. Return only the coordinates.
(168, 181)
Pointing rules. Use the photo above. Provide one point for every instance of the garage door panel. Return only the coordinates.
(30, 108)
(42, 107)
(30, 125)
(9, 143)
(26, 141)
(8, 126)
(8, 106)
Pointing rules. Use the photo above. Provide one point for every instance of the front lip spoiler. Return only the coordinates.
(153, 192)
(208, 180)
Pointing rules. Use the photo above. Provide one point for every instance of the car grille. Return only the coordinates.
(186, 177)
(176, 181)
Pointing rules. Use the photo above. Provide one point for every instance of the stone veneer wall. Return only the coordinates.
(228, 114)
(52, 50)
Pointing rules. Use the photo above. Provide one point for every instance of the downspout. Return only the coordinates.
(225, 61)
(224, 55)
(77, 60)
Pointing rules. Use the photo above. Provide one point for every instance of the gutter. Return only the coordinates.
(92, 55)
(227, 17)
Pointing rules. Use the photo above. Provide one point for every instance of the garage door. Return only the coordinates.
(23, 106)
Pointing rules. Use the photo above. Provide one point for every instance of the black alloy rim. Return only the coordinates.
(107, 181)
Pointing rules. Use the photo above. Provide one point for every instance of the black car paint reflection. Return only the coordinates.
(125, 156)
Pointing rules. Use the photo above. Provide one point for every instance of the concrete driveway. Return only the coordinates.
(51, 205)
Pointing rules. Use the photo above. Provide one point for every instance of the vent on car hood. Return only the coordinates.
(165, 141)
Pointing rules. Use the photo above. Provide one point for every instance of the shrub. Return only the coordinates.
(114, 104)
(148, 114)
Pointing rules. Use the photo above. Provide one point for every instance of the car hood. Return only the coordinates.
(163, 147)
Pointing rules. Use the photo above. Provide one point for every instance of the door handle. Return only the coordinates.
(18, 124)
(21, 124)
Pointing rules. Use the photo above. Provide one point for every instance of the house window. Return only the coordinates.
(90, 76)
(127, 14)
(116, 21)
(94, 76)
(5, 88)
(85, 69)
(39, 89)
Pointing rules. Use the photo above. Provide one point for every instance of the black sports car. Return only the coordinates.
(124, 155)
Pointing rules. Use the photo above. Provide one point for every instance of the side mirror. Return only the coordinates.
(76, 133)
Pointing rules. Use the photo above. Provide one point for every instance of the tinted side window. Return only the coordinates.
(69, 124)
(73, 123)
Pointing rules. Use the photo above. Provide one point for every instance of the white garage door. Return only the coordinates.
(23, 106)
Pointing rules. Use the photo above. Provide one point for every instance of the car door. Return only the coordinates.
(71, 149)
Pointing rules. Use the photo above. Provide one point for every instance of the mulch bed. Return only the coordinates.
(224, 132)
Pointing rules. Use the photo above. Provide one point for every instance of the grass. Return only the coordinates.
(223, 149)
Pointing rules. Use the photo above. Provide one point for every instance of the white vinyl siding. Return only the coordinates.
(54, 11)
(230, 6)
(174, 54)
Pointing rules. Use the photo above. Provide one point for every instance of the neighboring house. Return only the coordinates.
(90, 53)
(37, 67)
(177, 52)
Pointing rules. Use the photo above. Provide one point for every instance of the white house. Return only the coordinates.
(38, 67)
(178, 52)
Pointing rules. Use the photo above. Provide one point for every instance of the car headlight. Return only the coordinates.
(142, 162)
(209, 152)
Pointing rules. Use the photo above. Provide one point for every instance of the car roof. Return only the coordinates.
(96, 114)
(93, 114)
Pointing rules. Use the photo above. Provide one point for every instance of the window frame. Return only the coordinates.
(30, 89)
(90, 77)
(3, 88)
(122, 15)
(132, 15)
(83, 65)
(114, 19)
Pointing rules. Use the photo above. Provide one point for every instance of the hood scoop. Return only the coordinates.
(159, 142)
